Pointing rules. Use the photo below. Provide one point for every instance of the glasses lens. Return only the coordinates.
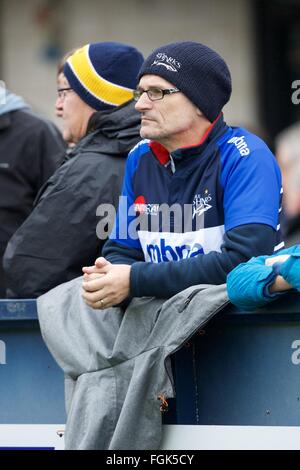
(62, 92)
(155, 94)
(137, 94)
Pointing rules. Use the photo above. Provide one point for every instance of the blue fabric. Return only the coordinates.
(121, 231)
(247, 284)
(246, 160)
(223, 179)
(177, 258)
(290, 269)
(163, 280)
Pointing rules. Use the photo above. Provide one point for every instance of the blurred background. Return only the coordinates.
(260, 40)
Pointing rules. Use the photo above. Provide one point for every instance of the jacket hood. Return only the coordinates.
(111, 133)
(12, 103)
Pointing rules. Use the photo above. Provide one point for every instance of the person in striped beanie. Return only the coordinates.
(97, 108)
(99, 77)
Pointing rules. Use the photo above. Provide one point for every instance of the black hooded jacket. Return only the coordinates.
(31, 149)
(59, 236)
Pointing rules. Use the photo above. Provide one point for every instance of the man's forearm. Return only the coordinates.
(116, 253)
(163, 280)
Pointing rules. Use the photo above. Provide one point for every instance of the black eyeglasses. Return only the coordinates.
(61, 92)
(154, 94)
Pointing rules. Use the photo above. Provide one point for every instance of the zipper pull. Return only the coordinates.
(184, 305)
(173, 167)
(188, 299)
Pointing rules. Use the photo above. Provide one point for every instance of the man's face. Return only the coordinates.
(172, 121)
(61, 83)
(75, 114)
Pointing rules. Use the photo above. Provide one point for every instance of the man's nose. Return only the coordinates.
(58, 107)
(143, 102)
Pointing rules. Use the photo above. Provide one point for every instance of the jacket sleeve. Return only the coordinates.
(59, 236)
(247, 284)
(119, 254)
(164, 280)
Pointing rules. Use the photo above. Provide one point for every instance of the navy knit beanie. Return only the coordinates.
(104, 74)
(198, 71)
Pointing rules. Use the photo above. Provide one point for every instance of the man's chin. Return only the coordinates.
(147, 134)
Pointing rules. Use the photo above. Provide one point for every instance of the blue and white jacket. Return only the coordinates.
(228, 189)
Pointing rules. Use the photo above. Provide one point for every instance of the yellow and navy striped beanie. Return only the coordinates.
(104, 74)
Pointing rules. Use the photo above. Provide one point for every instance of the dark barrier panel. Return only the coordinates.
(242, 369)
(31, 384)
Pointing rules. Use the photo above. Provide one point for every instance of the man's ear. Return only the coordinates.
(202, 115)
(199, 112)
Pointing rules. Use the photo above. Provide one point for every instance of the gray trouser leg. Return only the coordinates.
(90, 422)
(70, 385)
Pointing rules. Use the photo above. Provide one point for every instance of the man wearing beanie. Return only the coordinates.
(193, 206)
(59, 236)
(189, 157)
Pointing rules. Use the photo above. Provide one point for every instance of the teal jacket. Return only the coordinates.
(247, 284)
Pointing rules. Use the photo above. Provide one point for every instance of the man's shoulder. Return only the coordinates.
(30, 120)
(94, 159)
(87, 170)
(139, 149)
(34, 128)
(240, 143)
(137, 152)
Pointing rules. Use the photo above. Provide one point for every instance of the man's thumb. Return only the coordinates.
(101, 262)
